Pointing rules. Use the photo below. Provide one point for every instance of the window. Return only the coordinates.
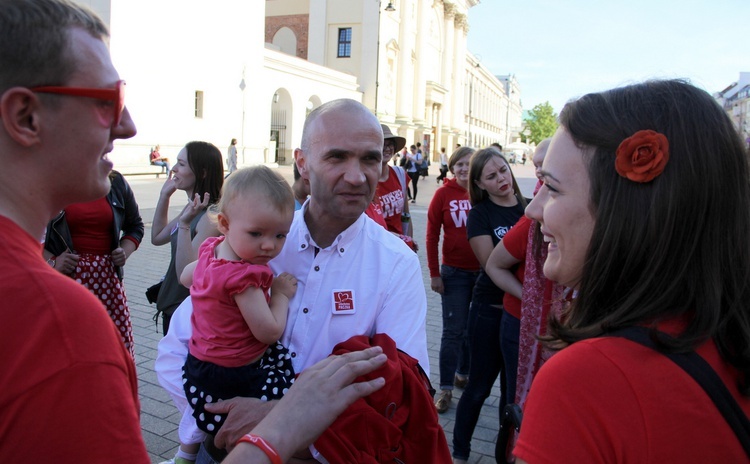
(199, 104)
(345, 42)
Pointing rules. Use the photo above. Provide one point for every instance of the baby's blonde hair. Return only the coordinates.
(257, 179)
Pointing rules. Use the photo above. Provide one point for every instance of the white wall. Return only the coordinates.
(168, 49)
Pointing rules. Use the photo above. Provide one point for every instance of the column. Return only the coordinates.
(405, 81)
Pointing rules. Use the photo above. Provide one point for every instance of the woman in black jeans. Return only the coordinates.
(413, 170)
(496, 206)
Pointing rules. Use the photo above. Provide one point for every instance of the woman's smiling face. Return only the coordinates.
(461, 170)
(562, 209)
(182, 175)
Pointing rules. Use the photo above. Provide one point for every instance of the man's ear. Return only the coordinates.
(20, 114)
(299, 158)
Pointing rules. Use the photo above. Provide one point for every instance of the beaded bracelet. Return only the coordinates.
(264, 446)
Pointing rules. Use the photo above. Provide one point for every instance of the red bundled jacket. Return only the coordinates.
(397, 423)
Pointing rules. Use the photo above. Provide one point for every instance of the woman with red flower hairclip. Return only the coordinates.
(646, 209)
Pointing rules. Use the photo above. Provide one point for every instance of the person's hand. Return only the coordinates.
(318, 396)
(168, 188)
(119, 257)
(66, 263)
(436, 284)
(243, 415)
(325, 390)
(193, 208)
(285, 284)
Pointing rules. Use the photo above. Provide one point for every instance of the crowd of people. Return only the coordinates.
(613, 305)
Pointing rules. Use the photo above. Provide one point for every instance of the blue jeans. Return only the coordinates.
(486, 364)
(458, 286)
(203, 457)
(509, 334)
(163, 164)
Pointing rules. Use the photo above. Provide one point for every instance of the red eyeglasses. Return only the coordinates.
(116, 95)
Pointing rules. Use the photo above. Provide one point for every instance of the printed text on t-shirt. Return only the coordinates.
(460, 211)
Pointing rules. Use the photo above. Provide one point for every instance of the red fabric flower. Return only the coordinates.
(642, 156)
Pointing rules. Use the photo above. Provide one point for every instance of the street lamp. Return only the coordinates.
(507, 116)
(388, 8)
(471, 97)
(242, 132)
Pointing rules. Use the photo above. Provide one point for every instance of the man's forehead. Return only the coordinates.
(91, 57)
(344, 126)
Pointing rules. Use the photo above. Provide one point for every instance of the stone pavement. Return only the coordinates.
(160, 418)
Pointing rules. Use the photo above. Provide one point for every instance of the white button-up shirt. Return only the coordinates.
(366, 282)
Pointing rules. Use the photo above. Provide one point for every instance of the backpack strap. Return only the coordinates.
(401, 173)
(699, 369)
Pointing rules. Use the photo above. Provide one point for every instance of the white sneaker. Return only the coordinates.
(176, 460)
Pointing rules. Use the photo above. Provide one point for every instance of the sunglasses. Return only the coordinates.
(116, 95)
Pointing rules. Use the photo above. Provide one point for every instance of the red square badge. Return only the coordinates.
(343, 302)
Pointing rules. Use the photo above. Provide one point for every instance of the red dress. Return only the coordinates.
(91, 226)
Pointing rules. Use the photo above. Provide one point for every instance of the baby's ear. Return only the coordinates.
(222, 223)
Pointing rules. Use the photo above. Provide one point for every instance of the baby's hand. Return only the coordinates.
(284, 283)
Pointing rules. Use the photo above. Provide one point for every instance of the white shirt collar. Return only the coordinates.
(340, 244)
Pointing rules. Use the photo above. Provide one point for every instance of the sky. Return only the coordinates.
(561, 49)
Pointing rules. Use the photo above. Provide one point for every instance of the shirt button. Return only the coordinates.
(294, 354)
(304, 246)
(341, 250)
(305, 310)
(317, 268)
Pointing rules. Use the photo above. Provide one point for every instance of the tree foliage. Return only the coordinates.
(541, 123)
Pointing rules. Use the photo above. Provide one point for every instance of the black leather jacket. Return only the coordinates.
(127, 221)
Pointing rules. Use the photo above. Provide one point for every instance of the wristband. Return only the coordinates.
(264, 446)
(183, 227)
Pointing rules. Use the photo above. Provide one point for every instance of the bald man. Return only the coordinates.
(354, 277)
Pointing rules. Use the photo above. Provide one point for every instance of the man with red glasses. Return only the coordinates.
(69, 389)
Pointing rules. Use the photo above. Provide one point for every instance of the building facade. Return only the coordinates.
(253, 71)
(411, 63)
(736, 102)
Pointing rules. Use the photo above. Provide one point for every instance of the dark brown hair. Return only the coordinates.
(205, 161)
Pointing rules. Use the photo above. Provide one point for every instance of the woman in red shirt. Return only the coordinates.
(645, 209)
(454, 279)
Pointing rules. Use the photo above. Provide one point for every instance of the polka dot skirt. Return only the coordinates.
(97, 273)
(269, 378)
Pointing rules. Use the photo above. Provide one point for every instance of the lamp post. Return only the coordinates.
(389, 8)
(242, 132)
(471, 95)
(507, 116)
(471, 99)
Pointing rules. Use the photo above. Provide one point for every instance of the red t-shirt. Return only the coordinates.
(220, 333)
(610, 400)
(391, 195)
(516, 241)
(374, 212)
(91, 226)
(449, 210)
(69, 387)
